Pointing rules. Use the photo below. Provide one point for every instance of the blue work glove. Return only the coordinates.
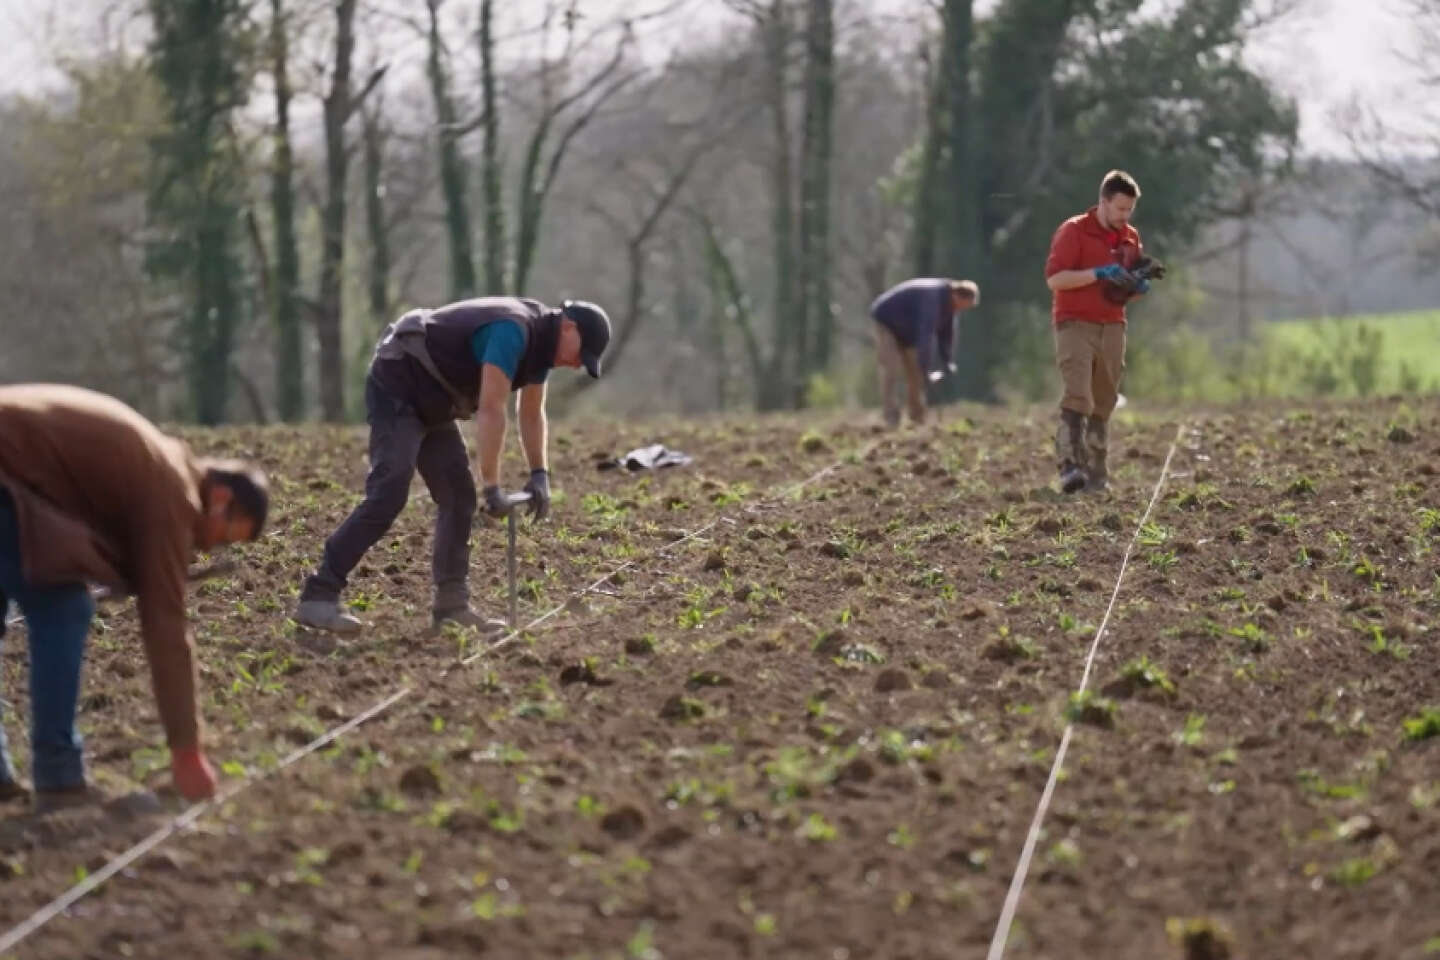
(1142, 285)
(539, 489)
(1112, 272)
(495, 503)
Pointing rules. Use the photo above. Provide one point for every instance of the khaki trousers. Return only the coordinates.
(1091, 358)
(898, 365)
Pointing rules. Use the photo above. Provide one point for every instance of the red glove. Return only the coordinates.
(194, 777)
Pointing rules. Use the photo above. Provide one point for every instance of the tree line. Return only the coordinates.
(216, 222)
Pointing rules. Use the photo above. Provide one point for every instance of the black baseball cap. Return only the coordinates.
(594, 327)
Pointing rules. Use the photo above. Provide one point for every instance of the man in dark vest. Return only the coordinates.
(914, 338)
(431, 368)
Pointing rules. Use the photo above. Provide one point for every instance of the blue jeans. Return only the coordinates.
(57, 621)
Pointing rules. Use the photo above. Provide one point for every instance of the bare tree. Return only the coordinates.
(340, 103)
(377, 229)
(284, 293)
(448, 131)
(1406, 160)
(559, 100)
(814, 313)
(490, 172)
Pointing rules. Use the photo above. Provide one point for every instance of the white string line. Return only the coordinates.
(511, 637)
(1022, 867)
(69, 898)
(514, 634)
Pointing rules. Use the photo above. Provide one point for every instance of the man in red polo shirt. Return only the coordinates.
(1088, 251)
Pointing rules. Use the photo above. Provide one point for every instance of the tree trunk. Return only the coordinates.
(534, 188)
(452, 168)
(1243, 280)
(959, 240)
(332, 259)
(774, 386)
(490, 163)
(376, 228)
(213, 322)
(289, 348)
(637, 247)
(195, 200)
(252, 394)
(925, 215)
(817, 148)
(725, 283)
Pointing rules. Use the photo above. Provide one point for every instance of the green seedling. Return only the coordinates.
(818, 829)
(1354, 872)
(1153, 535)
(1009, 648)
(1087, 707)
(1193, 734)
(1312, 782)
(1301, 486)
(1143, 673)
(1200, 937)
(901, 837)
(1163, 561)
(1423, 727)
(1255, 640)
(813, 442)
(1064, 854)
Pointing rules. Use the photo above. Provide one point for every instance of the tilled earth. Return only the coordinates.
(813, 712)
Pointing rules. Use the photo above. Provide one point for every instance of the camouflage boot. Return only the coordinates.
(1097, 441)
(1070, 450)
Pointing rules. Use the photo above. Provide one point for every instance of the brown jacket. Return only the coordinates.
(102, 496)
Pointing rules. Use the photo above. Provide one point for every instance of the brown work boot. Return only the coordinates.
(1097, 444)
(1070, 451)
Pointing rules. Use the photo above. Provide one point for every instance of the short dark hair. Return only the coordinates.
(249, 488)
(1118, 181)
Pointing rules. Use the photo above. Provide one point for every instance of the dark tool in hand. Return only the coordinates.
(512, 500)
(1134, 281)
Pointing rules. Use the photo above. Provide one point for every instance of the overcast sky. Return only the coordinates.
(1334, 50)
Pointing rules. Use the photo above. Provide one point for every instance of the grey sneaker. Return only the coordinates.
(469, 617)
(1072, 478)
(326, 615)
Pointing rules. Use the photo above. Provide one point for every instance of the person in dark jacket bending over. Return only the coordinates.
(430, 368)
(914, 336)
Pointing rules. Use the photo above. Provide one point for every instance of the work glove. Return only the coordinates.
(1112, 272)
(539, 489)
(495, 503)
(1148, 268)
(194, 777)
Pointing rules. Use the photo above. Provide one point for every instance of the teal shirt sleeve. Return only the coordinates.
(501, 344)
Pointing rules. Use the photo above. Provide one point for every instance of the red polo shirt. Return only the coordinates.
(1082, 243)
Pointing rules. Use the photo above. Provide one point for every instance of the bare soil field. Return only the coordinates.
(813, 712)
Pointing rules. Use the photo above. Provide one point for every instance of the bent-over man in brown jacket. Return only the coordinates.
(92, 492)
